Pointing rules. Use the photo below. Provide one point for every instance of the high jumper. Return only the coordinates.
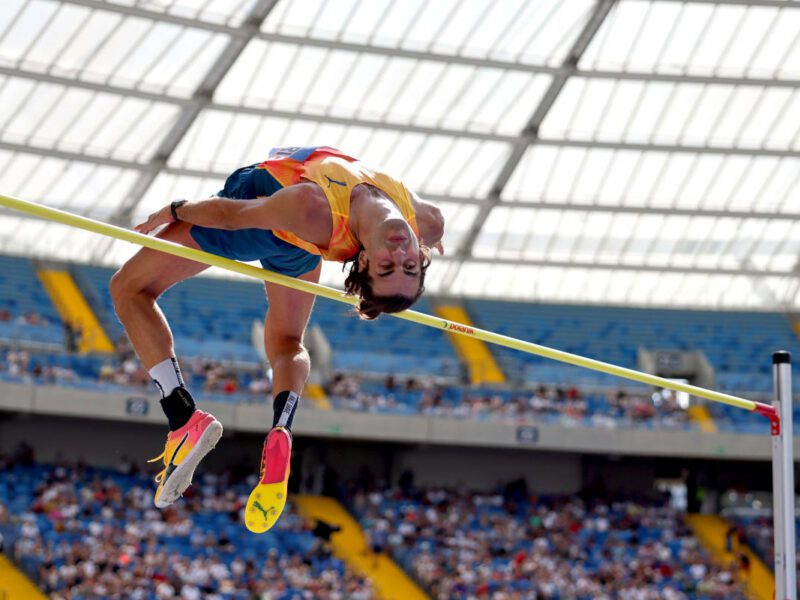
(299, 206)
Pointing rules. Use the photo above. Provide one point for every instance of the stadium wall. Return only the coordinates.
(318, 462)
(545, 472)
(331, 424)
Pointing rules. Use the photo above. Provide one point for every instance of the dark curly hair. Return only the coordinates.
(370, 305)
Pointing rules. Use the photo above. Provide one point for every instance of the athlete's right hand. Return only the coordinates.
(161, 217)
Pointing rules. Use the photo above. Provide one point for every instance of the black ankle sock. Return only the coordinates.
(283, 408)
(179, 407)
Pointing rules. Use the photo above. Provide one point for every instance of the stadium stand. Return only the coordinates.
(82, 532)
(550, 404)
(27, 316)
(213, 319)
(503, 546)
(756, 530)
(738, 344)
(91, 533)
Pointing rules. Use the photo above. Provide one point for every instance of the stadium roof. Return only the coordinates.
(642, 152)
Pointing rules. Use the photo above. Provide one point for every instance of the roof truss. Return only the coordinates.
(479, 206)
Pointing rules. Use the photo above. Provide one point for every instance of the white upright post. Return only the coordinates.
(783, 480)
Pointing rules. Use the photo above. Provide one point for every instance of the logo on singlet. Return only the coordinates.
(336, 181)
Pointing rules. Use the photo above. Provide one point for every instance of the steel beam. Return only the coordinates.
(395, 52)
(443, 198)
(154, 15)
(198, 104)
(73, 156)
(615, 266)
(91, 86)
(764, 3)
(531, 130)
(692, 149)
(586, 207)
(202, 98)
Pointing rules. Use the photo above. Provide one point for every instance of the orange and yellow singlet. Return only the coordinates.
(337, 174)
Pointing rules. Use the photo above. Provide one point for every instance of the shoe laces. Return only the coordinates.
(161, 456)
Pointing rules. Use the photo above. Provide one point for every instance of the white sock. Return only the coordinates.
(167, 375)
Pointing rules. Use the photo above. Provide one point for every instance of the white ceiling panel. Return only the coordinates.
(698, 38)
(668, 113)
(428, 164)
(40, 239)
(228, 12)
(82, 187)
(106, 47)
(518, 30)
(649, 154)
(381, 89)
(656, 179)
(571, 285)
(58, 117)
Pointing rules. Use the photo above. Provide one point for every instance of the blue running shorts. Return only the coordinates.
(247, 245)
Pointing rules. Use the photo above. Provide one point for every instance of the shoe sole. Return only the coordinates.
(181, 477)
(268, 498)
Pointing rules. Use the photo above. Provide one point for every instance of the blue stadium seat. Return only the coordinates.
(739, 345)
(213, 318)
(21, 292)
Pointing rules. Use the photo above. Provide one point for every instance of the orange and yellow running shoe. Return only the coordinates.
(184, 450)
(266, 501)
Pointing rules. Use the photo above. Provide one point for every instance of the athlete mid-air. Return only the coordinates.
(289, 212)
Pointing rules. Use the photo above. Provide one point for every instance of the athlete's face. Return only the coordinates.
(393, 261)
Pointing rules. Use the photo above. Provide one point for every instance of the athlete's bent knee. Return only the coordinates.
(287, 345)
(123, 287)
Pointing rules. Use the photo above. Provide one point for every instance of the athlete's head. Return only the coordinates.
(388, 274)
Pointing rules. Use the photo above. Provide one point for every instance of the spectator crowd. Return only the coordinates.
(566, 405)
(512, 546)
(88, 534)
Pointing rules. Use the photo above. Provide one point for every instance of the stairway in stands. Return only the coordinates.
(711, 531)
(75, 310)
(13, 584)
(350, 545)
(474, 353)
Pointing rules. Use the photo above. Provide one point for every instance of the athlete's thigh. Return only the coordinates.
(153, 271)
(289, 309)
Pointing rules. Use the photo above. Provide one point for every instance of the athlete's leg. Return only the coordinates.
(138, 284)
(134, 290)
(285, 325)
(286, 322)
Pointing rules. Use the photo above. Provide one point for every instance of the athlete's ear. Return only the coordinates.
(362, 260)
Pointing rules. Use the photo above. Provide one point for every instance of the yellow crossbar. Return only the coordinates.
(72, 220)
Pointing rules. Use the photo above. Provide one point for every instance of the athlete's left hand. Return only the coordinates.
(161, 217)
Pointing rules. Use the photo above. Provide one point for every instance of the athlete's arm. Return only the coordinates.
(430, 222)
(290, 209)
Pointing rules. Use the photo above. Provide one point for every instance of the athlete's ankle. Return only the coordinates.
(179, 407)
(167, 376)
(283, 408)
